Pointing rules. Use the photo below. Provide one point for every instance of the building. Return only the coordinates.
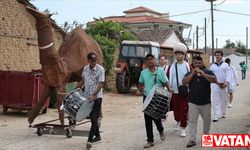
(142, 18)
(18, 37)
(166, 38)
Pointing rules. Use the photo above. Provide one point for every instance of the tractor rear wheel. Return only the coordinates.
(123, 84)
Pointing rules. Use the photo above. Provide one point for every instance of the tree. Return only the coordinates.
(67, 27)
(108, 35)
(229, 44)
(241, 48)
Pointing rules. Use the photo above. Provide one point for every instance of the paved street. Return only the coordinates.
(122, 126)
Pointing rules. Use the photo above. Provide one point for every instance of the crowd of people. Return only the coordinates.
(195, 89)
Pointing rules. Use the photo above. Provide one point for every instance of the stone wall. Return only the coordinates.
(18, 38)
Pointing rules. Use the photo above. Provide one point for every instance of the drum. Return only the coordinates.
(77, 106)
(157, 103)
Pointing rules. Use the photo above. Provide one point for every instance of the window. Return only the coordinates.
(155, 52)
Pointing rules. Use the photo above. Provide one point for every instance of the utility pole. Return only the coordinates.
(216, 43)
(197, 37)
(205, 31)
(193, 40)
(212, 25)
(246, 45)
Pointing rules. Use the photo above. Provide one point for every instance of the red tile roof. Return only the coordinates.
(141, 9)
(156, 35)
(140, 19)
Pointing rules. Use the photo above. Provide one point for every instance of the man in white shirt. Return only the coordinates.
(219, 89)
(234, 80)
(180, 103)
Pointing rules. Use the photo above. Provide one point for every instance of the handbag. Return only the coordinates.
(182, 89)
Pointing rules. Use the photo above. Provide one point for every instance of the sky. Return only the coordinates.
(226, 25)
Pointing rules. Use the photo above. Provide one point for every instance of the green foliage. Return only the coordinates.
(128, 36)
(108, 35)
(67, 27)
(240, 47)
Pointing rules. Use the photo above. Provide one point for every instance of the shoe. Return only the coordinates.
(96, 140)
(177, 126)
(88, 145)
(229, 105)
(215, 120)
(183, 133)
(191, 143)
(149, 144)
(162, 136)
(223, 116)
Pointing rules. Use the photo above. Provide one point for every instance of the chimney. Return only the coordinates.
(164, 16)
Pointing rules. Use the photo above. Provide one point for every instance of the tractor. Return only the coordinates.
(131, 61)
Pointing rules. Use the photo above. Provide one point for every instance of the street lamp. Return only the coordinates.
(212, 24)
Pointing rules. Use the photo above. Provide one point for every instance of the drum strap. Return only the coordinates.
(177, 79)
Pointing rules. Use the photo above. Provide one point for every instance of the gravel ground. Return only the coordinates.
(122, 127)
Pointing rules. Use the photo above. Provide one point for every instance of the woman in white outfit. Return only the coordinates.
(234, 80)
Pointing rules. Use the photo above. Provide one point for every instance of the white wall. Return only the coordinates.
(171, 41)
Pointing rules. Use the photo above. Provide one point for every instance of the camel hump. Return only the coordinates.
(75, 47)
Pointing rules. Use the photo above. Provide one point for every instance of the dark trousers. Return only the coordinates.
(94, 117)
(149, 126)
(243, 72)
(180, 109)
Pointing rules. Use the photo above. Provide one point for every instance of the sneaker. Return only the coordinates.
(177, 126)
(183, 133)
(191, 143)
(229, 105)
(149, 144)
(162, 136)
(96, 140)
(223, 116)
(215, 120)
(88, 145)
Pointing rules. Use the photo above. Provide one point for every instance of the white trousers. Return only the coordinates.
(219, 101)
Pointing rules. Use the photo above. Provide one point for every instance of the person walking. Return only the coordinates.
(149, 77)
(177, 72)
(243, 70)
(219, 89)
(164, 67)
(198, 81)
(234, 80)
(93, 77)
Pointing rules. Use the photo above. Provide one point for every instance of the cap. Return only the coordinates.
(180, 47)
(91, 56)
(149, 55)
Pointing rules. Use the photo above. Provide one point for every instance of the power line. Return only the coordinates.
(230, 35)
(189, 13)
(231, 12)
(219, 3)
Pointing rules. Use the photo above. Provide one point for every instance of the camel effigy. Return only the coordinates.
(62, 66)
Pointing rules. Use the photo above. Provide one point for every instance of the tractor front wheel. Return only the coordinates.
(123, 84)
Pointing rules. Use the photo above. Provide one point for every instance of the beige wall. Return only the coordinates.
(18, 38)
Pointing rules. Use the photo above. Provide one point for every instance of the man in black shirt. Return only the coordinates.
(198, 81)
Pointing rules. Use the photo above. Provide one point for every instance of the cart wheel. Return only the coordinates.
(69, 133)
(40, 131)
(5, 109)
(44, 111)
